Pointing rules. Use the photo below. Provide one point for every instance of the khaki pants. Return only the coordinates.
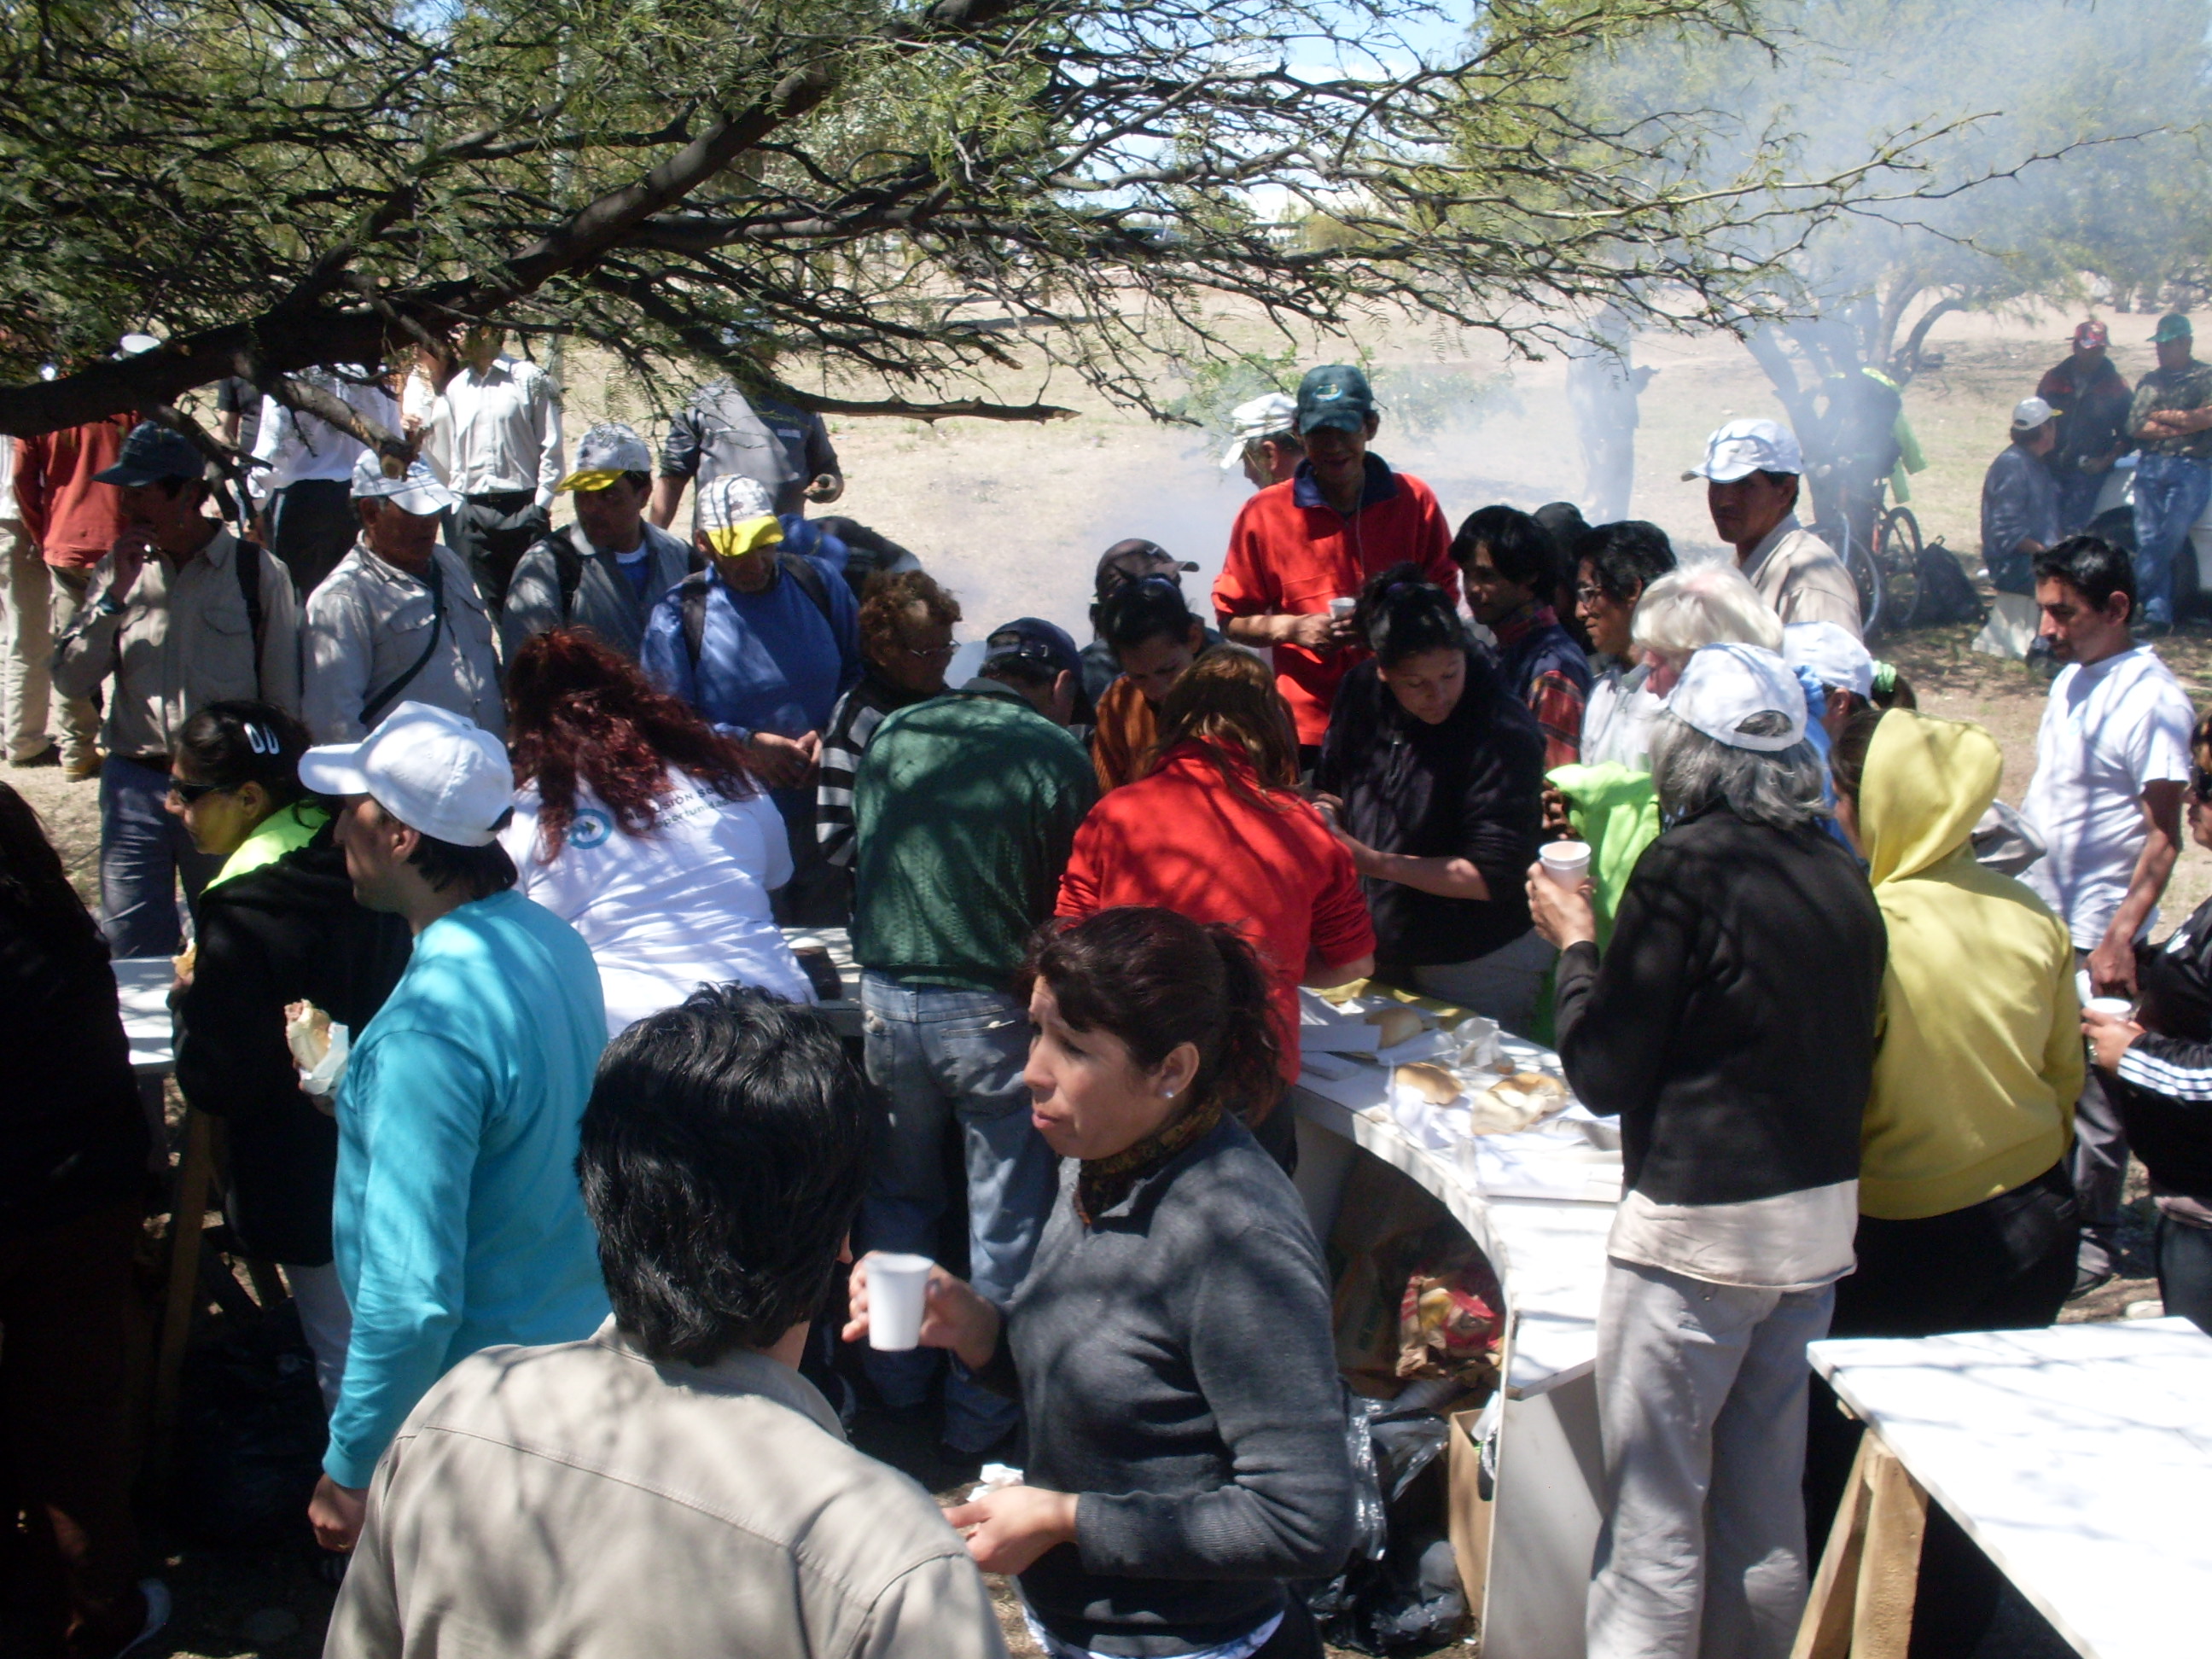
(79, 720)
(1701, 1413)
(27, 645)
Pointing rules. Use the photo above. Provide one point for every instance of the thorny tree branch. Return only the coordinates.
(841, 178)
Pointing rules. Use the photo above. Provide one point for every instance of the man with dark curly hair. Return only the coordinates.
(906, 644)
(673, 1485)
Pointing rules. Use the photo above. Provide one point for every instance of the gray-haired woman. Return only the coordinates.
(1731, 1026)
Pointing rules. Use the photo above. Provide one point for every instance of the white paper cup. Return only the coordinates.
(1341, 609)
(2110, 1007)
(1565, 862)
(896, 1286)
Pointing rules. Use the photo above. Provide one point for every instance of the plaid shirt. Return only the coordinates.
(1545, 666)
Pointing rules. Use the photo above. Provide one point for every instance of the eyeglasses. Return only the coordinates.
(187, 794)
(2200, 785)
(931, 653)
(1591, 591)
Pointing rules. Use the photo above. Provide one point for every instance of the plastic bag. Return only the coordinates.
(250, 1432)
(1449, 1321)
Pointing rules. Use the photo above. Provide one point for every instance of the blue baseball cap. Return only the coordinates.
(153, 454)
(1034, 641)
(1334, 395)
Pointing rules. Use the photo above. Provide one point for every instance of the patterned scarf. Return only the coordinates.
(1105, 1182)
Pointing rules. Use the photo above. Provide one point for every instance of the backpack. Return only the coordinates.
(1946, 595)
(692, 593)
(568, 566)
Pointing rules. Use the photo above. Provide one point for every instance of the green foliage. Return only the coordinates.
(902, 197)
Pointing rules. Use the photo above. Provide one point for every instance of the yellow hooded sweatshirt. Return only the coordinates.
(1979, 1056)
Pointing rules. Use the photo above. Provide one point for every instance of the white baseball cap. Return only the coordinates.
(2029, 413)
(439, 774)
(416, 491)
(1263, 417)
(732, 500)
(1743, 447)
(1831, 652)
(1726, 685)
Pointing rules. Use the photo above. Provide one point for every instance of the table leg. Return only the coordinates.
(187, 1220)
(1861, 1605)
(1889, 1571)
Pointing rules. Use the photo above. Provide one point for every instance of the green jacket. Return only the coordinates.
(965, 808)
(1614, 810)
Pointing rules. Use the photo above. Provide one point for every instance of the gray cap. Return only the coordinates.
(603, 455)
(152, 454)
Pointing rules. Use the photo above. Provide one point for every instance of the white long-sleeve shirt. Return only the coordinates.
(500, 430)
(299, 448)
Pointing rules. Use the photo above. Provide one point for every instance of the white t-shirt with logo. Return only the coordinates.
(683, 905)
(2110, 731)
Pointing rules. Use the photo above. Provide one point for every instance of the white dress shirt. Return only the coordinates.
(500, 430)
(298, 446)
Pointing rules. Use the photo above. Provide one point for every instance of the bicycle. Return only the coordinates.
(1885, 568)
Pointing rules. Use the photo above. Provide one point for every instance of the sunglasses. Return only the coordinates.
(2200, 785)
(930, 653)
(188, 794)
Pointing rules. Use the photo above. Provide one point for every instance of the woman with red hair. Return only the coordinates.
(642, 827)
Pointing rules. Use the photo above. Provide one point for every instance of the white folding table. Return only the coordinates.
(2079, 1458)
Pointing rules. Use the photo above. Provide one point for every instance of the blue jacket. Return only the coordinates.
(456, 1219)
(769, 661)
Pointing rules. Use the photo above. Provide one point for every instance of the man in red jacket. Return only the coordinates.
(72, 522)
(1343, 517)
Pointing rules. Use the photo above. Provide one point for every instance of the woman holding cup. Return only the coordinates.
(1172, 1344)
(2156, 1064)
(1432, 770)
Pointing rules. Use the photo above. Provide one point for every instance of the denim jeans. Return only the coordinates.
(2077, 499)
(2185, 1271)
(948, 1058)
(143, 850)
(2171, 491)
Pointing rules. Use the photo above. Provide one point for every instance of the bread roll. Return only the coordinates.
(1395, 1025)
(1431, 1083)
(1516, 1103)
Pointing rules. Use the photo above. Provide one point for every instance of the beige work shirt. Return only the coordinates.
(367, 625)
(1796, 573)
(580, 1500)
(181, 640)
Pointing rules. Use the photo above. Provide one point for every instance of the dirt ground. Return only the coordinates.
(1012, 518)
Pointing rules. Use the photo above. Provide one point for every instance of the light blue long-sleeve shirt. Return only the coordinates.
(456, 1219)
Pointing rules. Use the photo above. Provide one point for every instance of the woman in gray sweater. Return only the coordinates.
(1171, 1342)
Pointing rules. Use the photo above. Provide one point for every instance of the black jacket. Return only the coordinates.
(2170, 1128)
(289, 932)
(73, 1138)
(1470, 787)
(1731, 1022)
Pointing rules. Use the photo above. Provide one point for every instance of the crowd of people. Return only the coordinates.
(2087, 450)
(495, 848)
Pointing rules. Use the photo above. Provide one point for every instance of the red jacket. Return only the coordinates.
(1183, 839)
(1290, 553)
(71, 521)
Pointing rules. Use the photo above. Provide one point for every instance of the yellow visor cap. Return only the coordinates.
(592, 480)
(740, 540)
